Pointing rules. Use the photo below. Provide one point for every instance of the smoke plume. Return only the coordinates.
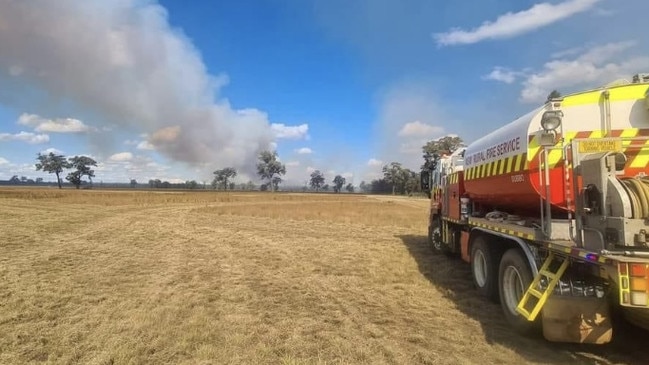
(120, 64)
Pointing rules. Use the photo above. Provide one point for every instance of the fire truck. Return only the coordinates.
(551, 211)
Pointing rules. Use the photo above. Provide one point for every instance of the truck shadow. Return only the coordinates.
(452, 278)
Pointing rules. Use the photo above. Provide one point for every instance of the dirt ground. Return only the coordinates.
(141, 277)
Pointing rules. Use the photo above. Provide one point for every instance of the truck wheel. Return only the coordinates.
(435, 236)
(514, 278)
(484, 269)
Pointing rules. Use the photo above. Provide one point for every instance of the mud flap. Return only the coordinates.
(577, 320)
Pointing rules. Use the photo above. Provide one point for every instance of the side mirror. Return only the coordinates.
(425, 180)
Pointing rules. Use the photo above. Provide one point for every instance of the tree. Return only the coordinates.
(433, 150)
(276, 180)
(155, 183)
(365, 187)
(82, 165)
(14, 179)
(133, 183)
(554, 94)
(269, 168)
(317, 180)
(411, 183)
(39, 180)
(393, 174)
(325, 187)
(339, 182)
(193, 184)
(380, 186)
(349, 188)
(53, 164)
(221, 177)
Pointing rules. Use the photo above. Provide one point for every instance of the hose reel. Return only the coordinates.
(638, 191)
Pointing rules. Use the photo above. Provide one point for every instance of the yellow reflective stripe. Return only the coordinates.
(503, 162)
(596, 134)
(631, 132)
(533, 148)
(628, 133)
(555, 154)
(517, 163)
(642, 158)
(616, 93)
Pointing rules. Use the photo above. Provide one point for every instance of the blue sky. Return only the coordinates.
(176, 89)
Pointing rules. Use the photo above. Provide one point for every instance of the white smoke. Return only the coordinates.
(119, 63)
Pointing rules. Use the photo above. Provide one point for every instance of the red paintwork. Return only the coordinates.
(464, 246)
(455, 191)
(508, 193)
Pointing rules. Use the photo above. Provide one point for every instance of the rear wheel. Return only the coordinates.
(484, 269)
(435, 236)
(514, 278)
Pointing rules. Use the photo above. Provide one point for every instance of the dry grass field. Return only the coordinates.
(140, 277)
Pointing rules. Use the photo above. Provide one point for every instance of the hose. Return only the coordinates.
(638, 191)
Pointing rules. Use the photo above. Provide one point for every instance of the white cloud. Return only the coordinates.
(304, 151)
(9, 169)
(292, 164)
(123, 41)
(15, 70)
(121, 157)
(601, 12)
(413, 148)
(373, 162)
(4, 161)
(124, 166)
(597, 66)
(411, 114)
(145, 145)
(290, 132)
(513, 24)
(59, 125)
(502, 74)
(419, 129)
(52, 150)
(568, 52)
(28, 137)
(310, 169)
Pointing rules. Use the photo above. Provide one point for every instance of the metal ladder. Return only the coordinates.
(541, 295)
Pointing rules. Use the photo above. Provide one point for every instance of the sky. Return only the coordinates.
(175, 89)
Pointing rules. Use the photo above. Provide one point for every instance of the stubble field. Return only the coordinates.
(142, 277)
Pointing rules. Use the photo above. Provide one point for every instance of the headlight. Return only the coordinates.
(551, 120)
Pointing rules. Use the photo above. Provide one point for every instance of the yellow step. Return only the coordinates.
(542, 296)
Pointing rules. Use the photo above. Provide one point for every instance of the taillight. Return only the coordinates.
(639, 284)
(634, 284)
(639, 298)
(638, 270)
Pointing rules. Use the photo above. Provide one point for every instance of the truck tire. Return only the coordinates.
(435, 236)
(484, 269)
(514, 277)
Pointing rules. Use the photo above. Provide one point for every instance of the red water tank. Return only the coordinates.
(501, 169)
